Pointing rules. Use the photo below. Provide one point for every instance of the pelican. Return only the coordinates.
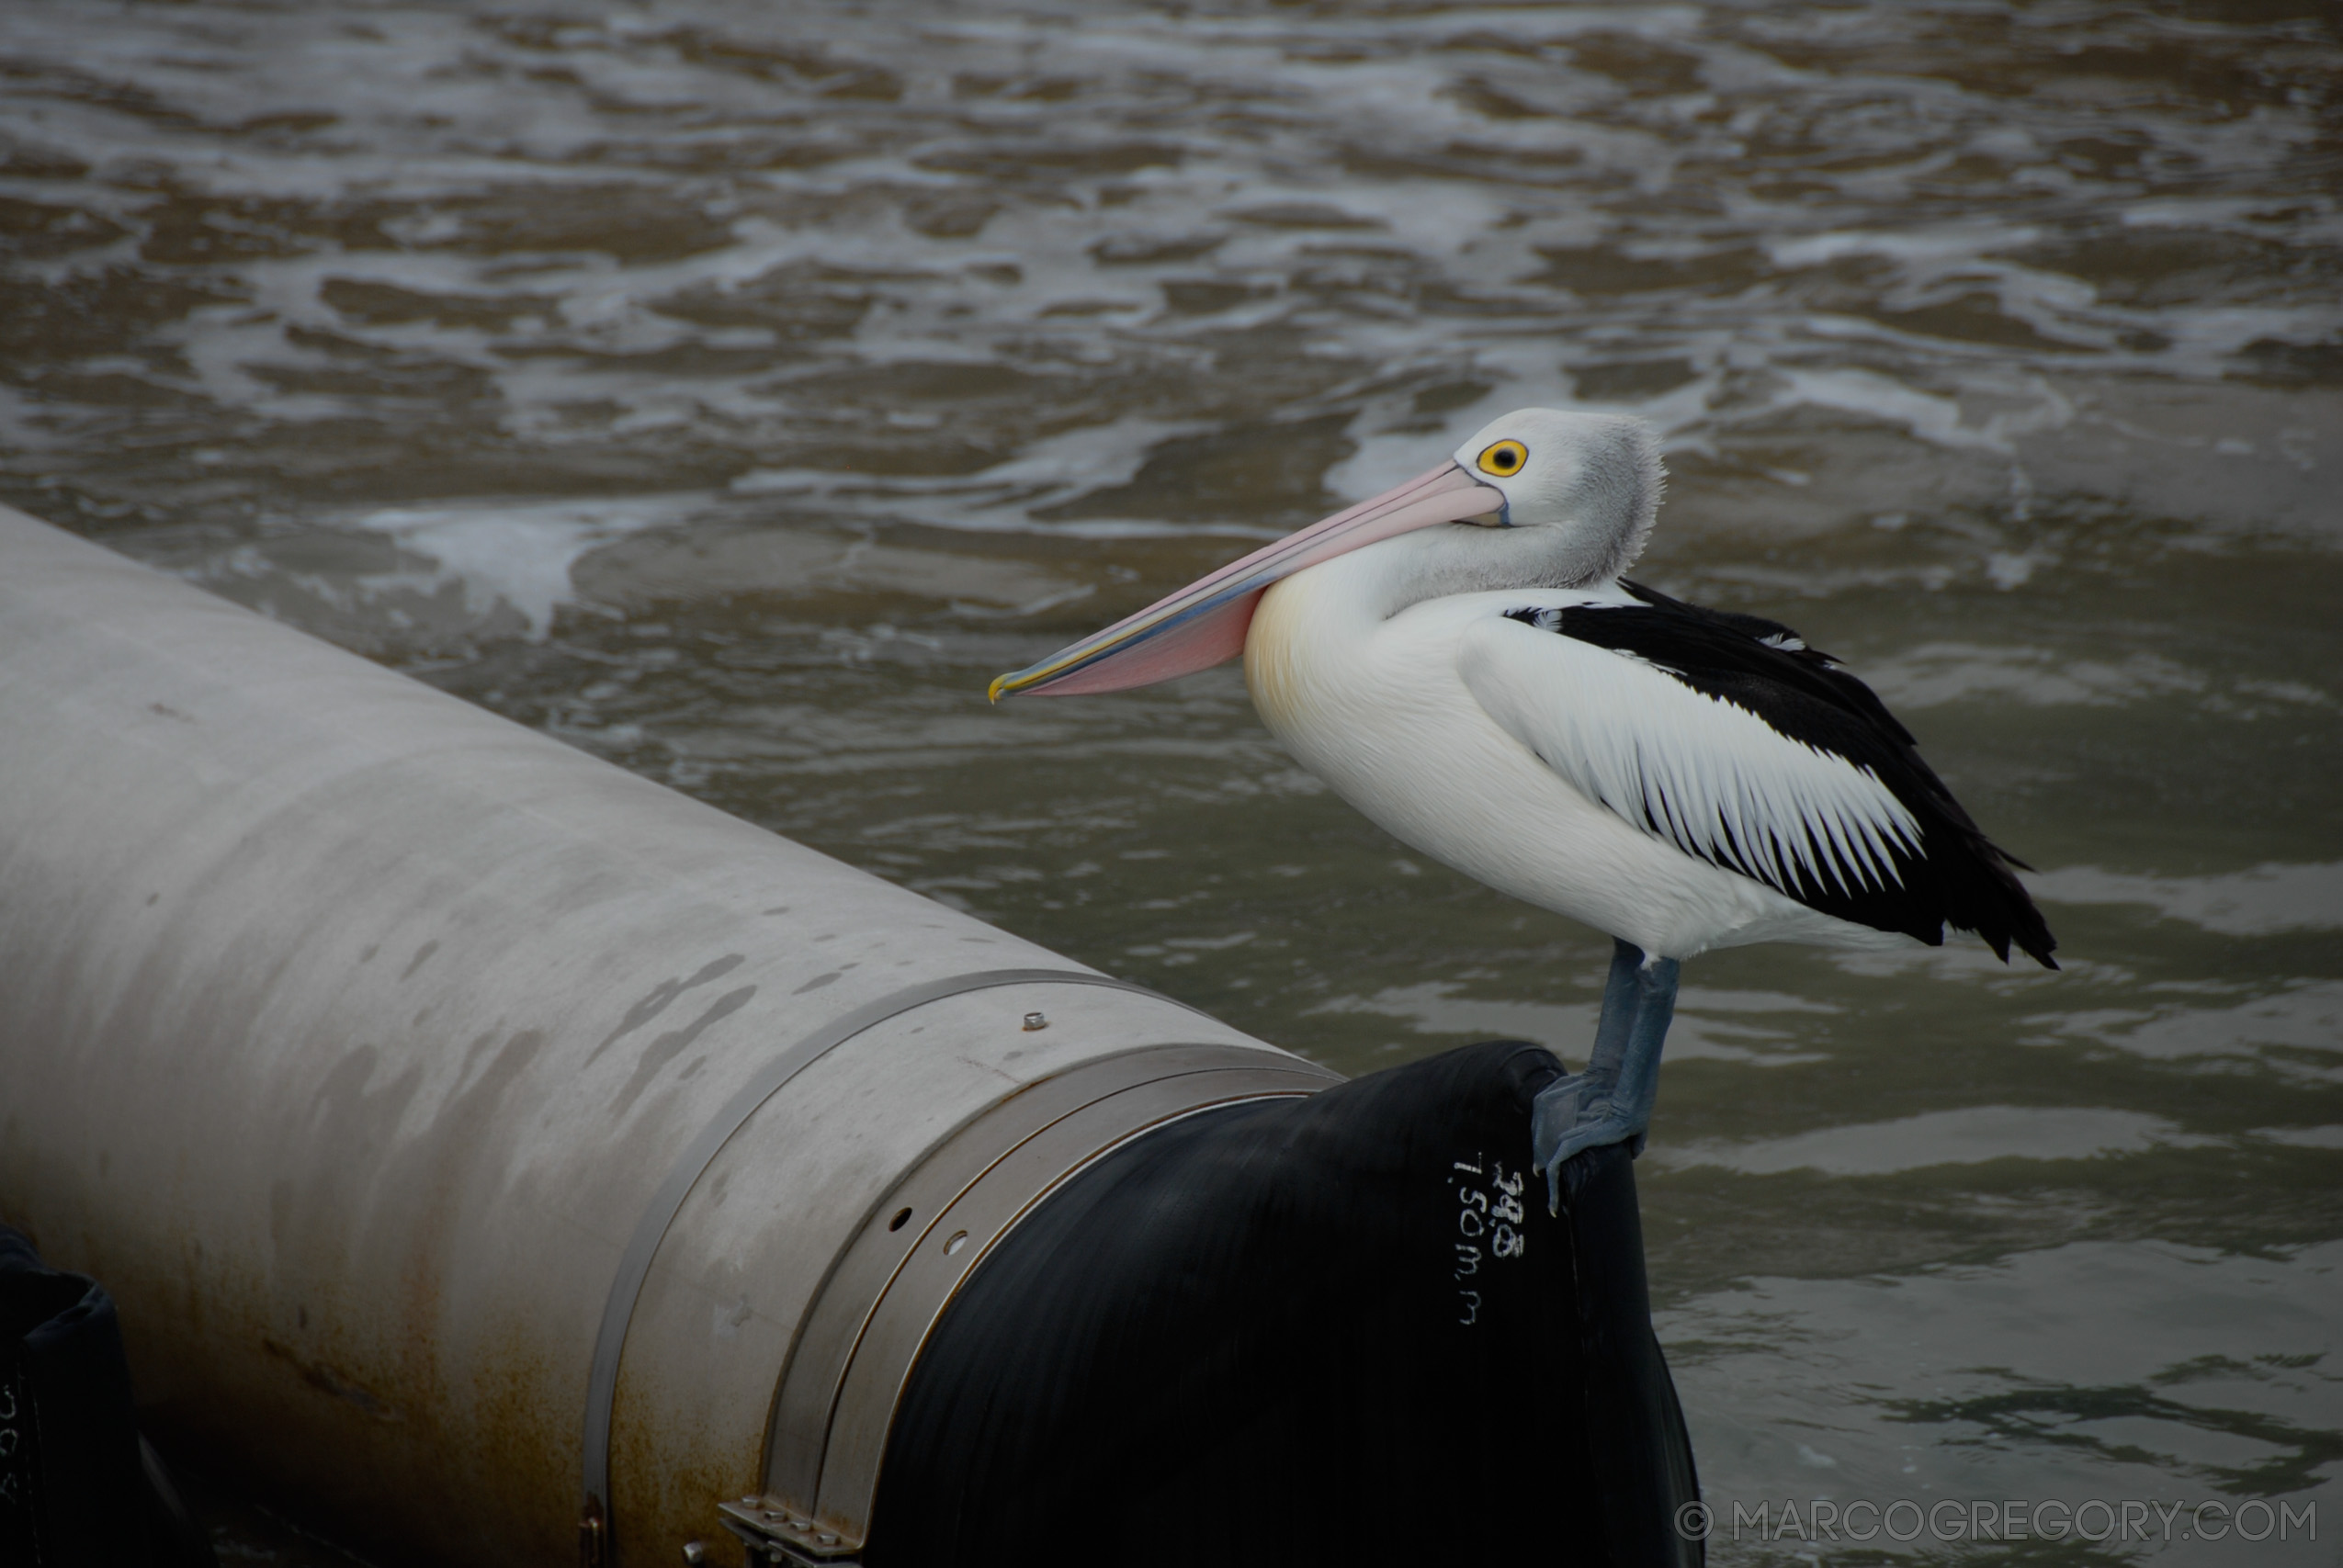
(1461, 658)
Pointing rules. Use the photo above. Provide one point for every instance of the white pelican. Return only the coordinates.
(1460, 659)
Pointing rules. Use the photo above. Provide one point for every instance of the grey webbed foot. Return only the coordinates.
(1554, 1116)
(1554, 1139)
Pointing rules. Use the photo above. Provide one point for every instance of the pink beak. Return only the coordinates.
(1205, 621)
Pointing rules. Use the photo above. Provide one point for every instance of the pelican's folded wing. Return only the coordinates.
(1726, 780)
(1729, 738)
(1737, 751)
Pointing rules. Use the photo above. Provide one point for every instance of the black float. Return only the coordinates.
(1338, 1330)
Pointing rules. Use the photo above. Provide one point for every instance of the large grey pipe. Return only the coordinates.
(493, 1148)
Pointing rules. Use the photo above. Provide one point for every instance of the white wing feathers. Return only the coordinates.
(1708, 775)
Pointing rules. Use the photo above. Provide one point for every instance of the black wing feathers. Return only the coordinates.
(1958, 875)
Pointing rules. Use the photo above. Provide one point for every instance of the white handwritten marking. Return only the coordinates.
(1476, 1209)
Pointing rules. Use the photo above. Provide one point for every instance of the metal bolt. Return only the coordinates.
(1035, 1020)
(695, 1553)
(827, 1539)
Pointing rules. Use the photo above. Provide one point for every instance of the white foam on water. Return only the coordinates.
(1972, 1135)
(1002, 498)
(1940, 673)
(1958, 243)
(2262, 901)
(1713, 1026)
(2326, 1136)
(520, 554)
(2296, 1017)
(1935, 417)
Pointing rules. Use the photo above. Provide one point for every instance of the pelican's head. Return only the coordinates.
(1588, 482)
(1540, 498)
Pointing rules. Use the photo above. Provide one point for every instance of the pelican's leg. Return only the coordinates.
(1557, 1107)
(1610, 1101)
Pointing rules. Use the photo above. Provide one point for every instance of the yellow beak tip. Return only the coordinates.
(992, 693)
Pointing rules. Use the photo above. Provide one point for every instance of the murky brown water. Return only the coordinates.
(729, 389)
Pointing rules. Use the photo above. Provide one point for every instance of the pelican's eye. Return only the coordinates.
(1505, 458)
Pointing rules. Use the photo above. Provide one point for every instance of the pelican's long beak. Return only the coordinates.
(1205, 623)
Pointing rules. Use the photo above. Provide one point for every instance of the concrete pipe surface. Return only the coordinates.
(498, 1151)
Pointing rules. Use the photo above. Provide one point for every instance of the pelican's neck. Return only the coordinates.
(1316, 625)
(1366, 586)
(1303, 624)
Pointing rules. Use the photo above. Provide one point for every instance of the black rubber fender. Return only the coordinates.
(1336, 1330)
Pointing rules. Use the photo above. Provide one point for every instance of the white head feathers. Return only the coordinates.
(1594, 478)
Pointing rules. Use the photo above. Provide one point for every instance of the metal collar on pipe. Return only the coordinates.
(634, 1264)
(863, 1335)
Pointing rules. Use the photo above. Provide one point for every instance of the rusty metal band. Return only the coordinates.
(634, 1264)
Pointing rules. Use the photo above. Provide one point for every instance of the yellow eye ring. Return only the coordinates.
(1504, 458)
